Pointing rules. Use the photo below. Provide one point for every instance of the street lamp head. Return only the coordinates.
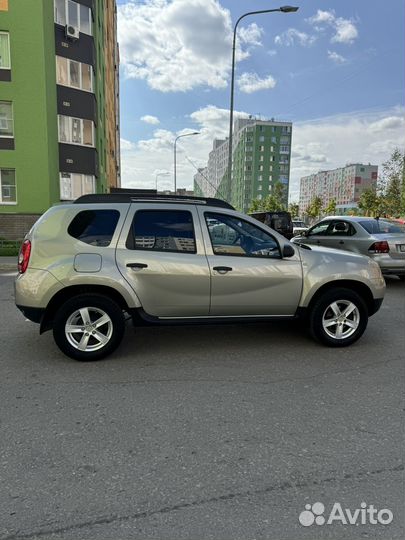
(289, 9)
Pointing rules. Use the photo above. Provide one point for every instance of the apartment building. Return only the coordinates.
(59, 127)
(345, 185)
(261, 159)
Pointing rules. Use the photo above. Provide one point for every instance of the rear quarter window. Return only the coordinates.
(94, 227)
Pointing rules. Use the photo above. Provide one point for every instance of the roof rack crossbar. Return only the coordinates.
(110, 198)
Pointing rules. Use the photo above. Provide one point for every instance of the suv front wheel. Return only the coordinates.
(338, 318)
(89, 327)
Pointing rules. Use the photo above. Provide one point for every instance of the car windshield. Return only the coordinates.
(380, 226)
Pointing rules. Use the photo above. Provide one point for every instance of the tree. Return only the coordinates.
(271, 203)
(393, 184)
(371, 203)
(294, 209)
(330, 209)
(314, 209)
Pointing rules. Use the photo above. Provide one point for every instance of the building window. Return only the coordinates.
(284, 149)
(260, 167)
(274, 139)
(8, 193)
(5, 62)
(261, 138)
(76, 131)
(261, 148)
(74, 185)
(259, 187)
(261, 158)
(6, 119)
(74, 74)
(73, 14)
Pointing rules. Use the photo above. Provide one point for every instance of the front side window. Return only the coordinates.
(162, 230)
(7, 186)
(5, 62)
(94, 227)
(233, 236)
(319, 229)
(6, 119)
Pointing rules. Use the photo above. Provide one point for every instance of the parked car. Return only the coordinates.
(380, 239)
(279, 221)
(298, 227)
(85, 266)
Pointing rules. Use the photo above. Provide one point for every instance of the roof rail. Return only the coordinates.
(109, 198)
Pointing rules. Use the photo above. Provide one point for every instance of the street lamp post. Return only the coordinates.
(156, 178)
(282, 9)
(175, 155)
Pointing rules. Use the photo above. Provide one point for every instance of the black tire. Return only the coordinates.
(111, 331)
(322, 308)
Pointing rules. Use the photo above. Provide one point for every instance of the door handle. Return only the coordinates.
(318, 241)
(341, 242)
(222, 269)
(137, 265)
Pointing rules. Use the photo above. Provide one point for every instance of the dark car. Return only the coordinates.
(279, 221)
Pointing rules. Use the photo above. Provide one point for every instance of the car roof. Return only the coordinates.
(349, 218)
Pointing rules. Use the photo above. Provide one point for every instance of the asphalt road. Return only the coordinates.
(201, 432)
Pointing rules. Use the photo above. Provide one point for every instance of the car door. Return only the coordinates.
(161, 255)
(248, 275)
(339, 235)
(317, 235)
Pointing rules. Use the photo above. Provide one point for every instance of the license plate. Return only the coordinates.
(401, 247)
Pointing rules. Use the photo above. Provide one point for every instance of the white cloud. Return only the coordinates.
(149, 119)
(328, 143)
(345, 31)
(322, 17)
(140, 161)
(251, 35)
(335, 57)
(126, 145)
(251, 82)
(293, 36)
(177, 45)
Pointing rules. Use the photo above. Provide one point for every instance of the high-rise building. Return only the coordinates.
(261, 159)
(59, 127)
(343, 185)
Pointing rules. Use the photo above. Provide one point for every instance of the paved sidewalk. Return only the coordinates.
(8, 263)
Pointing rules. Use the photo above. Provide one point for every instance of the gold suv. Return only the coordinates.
(85, 266)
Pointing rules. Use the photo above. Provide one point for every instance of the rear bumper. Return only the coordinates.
(389, 265)
(33, 314)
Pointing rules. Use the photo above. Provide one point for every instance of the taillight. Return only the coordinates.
(24, 256)
(379, 247)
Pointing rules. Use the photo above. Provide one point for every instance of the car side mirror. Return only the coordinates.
(288, 251)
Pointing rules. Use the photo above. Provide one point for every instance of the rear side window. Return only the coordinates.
(162, 230)
(94, 227)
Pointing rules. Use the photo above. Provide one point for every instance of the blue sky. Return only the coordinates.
(335, 69)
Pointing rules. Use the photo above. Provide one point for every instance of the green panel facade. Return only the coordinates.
(32, 92)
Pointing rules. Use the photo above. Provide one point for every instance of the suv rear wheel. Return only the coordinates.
(338, 318)
(89, 327)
